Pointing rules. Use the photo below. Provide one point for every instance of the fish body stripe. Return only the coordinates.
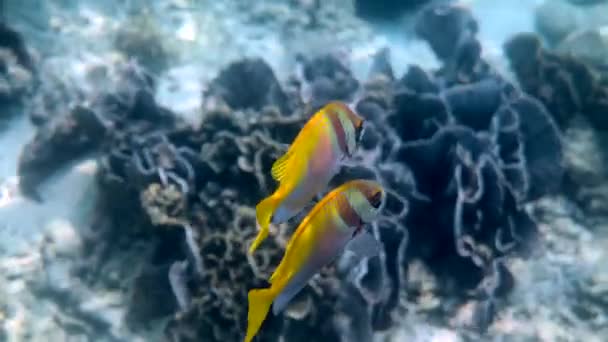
(338, 130)
(347, 213)
(344, 123)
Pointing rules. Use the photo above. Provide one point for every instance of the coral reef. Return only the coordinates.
(460, 150)
(477, 149)
(191, 191)
(461, 143)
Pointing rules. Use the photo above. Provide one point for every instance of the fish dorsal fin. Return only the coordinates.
(301, 146)
(280, 166)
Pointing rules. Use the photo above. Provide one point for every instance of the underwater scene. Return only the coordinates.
(303, 170)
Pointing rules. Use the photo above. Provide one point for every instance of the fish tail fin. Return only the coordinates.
(260, 301)
(263, 214)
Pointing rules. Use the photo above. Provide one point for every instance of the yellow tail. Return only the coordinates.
(263, 214)
(259, 305)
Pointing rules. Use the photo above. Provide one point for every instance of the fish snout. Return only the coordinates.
(359, 129)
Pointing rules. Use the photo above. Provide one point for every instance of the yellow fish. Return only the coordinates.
(329, 137)
(334, 225)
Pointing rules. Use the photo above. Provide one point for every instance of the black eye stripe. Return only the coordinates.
(376, 199)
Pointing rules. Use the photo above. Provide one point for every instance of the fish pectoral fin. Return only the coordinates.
(280, 166)
(364, 245)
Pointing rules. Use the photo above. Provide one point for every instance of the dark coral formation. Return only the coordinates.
(385, 9)
(13, 41)
(58, 143)
(16, 67)
(450, 30)
(65, 137)
(260, 89)
(325, 78)
(566, 85)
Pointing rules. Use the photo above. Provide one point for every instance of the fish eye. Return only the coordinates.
(376, 199)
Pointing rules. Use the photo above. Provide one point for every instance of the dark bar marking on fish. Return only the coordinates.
(348, 213)
(338, 129)
(375, 200)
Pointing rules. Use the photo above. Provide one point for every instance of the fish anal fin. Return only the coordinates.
(296, 282)
(260, 301)
(263, 212)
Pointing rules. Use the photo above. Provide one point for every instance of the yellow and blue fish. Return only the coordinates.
(329, 137)
(335, 224)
